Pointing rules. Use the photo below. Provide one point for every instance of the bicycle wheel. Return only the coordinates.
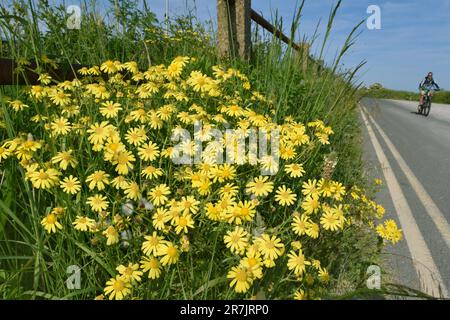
(426, 109)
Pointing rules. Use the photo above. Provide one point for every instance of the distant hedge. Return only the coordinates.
(378, 92)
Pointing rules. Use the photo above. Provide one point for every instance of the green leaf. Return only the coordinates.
(209, 284)
(13, 16)
(5, 210)
(95, 256)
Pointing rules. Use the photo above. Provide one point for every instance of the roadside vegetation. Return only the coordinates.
(377, 91)
(87, 176)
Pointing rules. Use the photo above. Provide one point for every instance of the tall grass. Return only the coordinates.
(32, 266)
(321, 92)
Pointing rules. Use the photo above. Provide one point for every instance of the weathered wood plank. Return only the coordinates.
(224, 32)
(11, 73)
(301, 48)
(243, 28)
(269, 27)
(234, 28)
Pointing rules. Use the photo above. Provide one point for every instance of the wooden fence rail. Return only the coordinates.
(11, 73)
(269, 27)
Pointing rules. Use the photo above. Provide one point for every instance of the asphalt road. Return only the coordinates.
(411, 154)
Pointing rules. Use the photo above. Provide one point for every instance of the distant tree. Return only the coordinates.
(376, 86)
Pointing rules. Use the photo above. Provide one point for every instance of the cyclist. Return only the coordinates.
(427, 86)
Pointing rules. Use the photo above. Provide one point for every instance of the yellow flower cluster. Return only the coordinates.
(390, 231)
(101, 144)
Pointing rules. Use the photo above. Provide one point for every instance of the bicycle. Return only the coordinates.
(425, 108)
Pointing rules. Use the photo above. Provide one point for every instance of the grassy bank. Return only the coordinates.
(378, 92)
(88, 177)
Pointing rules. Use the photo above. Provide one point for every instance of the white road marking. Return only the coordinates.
(432, 209)
(427, 271)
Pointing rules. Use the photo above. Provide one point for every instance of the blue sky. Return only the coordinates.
(414, 37)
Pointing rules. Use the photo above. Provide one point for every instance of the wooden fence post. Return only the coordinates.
(243, 28)
(234, 28)
(305, 56)
(224, 41)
